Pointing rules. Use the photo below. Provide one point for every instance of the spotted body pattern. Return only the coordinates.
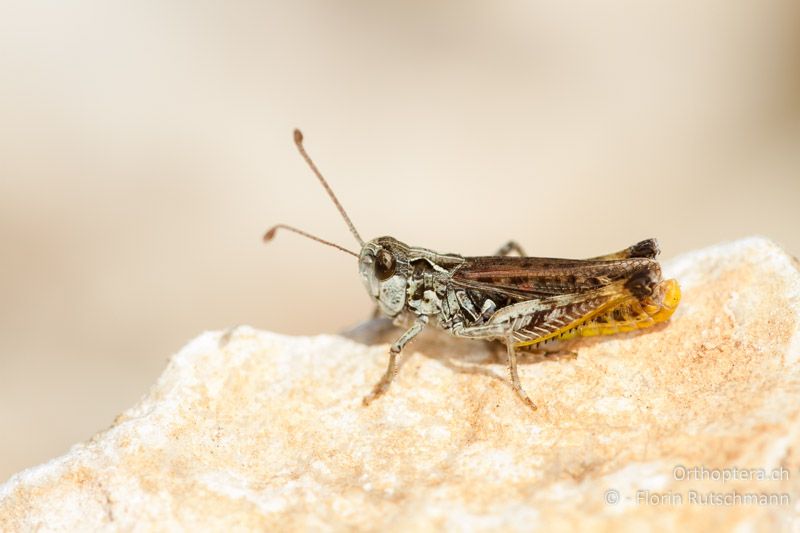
(521, 301)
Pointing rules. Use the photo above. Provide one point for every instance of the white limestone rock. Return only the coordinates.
(254, 430)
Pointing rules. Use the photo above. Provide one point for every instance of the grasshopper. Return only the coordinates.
(518, 300)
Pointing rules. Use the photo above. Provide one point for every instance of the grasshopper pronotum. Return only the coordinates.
(521, 301)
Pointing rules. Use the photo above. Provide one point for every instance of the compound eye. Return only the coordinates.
(384, 265)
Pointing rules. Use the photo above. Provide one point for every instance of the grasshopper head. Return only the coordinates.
(383, 266)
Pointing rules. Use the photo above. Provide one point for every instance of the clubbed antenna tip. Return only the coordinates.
(270, 234)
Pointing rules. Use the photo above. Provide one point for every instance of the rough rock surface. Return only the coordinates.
(248, 429)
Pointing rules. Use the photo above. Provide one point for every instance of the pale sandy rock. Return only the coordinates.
(250, 429)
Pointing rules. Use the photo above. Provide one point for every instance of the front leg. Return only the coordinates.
(511, 246)
(391, 371)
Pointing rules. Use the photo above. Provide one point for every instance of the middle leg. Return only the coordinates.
(509, 247)
(512, 370)
(499, 331)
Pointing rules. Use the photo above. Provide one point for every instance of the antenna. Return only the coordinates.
(271, 233)
(298, 140)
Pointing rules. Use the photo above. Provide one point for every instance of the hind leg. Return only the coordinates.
(647, 248)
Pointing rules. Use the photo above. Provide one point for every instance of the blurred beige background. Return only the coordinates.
(145, 146)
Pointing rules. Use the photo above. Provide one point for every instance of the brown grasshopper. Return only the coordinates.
(521, 301)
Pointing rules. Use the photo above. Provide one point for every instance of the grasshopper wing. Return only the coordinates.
(541, 299)
(522, 278)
